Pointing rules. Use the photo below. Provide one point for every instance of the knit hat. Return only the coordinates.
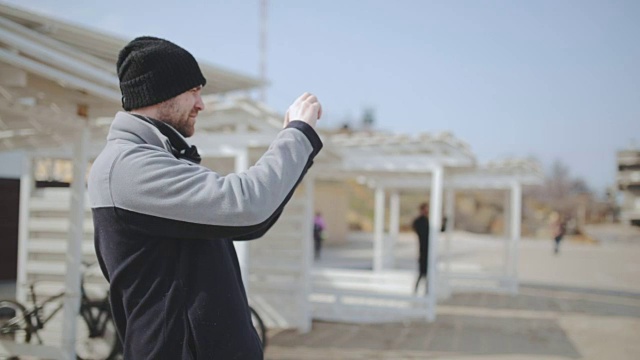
(152, 70)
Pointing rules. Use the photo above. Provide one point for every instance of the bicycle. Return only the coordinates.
(97, 337)
(102, 342)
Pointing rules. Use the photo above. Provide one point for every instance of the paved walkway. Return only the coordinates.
(582, 304)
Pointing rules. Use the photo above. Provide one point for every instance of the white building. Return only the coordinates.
(628, 180)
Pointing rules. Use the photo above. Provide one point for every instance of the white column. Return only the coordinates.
(507, 235)
(451, 223)
(242, 247)
(74, 243)
(435, 215)
(307, 251)
(394, 230)
(26, 185)
(450, 213)
(378, 230)
(516, 220)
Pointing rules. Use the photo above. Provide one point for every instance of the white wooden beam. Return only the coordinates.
(450, 211)
(516, 221)
(378, 230)
(394, 229)
(55, 58)
(307, 251)
(435, 216)
(506, 213)
(74, 244)
(60, 47)
(58, 75)
(26, 186)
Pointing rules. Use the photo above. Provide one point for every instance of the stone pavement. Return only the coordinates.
(581, 304)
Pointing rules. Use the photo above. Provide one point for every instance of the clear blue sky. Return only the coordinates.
(547, 78)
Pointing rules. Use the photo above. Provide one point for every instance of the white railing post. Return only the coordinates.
(26, 186)
(74, 243)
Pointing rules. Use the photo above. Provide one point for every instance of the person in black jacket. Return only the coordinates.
(421, 228)
(165, 225)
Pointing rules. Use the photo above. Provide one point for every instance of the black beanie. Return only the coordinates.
(152, 70)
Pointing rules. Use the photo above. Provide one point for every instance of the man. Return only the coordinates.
(559, 230)
(164, 225)
(318, 233)
(421, 227)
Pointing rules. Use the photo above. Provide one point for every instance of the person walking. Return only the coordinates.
(318, 233)
(559, 230)
(421, 228)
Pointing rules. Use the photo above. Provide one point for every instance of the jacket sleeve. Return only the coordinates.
(167, 196)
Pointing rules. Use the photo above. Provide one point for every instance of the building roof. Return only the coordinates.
(54, 74)
(383, 152)
(102, 49)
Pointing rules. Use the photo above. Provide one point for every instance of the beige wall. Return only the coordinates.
(221, 165)
(332, 200)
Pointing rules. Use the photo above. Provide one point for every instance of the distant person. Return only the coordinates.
(559, 228)
(421, 228)
(318, 233)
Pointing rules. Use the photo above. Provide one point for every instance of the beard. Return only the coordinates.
(174, 113)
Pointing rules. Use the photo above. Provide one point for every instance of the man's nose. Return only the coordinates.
(199, 103)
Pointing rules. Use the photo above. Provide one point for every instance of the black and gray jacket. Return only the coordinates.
(164, 228)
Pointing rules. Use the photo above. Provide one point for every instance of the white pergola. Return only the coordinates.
(56, 81)
(442, 164)
(384, 161)
(509, 176)
(506, 175)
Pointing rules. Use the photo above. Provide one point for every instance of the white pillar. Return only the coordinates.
(435, 215)
(242, 247)
(450, 213)
(516, 220)
(26, 185)
(74, 243)
(394, 229)
(507, 235)
(378, 230)
(307, 251)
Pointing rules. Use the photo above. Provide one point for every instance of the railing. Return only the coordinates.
(364, 296)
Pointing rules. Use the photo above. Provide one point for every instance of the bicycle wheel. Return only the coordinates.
(15, 324)
(97, 341)
(258, 324)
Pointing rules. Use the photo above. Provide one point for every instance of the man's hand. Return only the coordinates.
(306, 108)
